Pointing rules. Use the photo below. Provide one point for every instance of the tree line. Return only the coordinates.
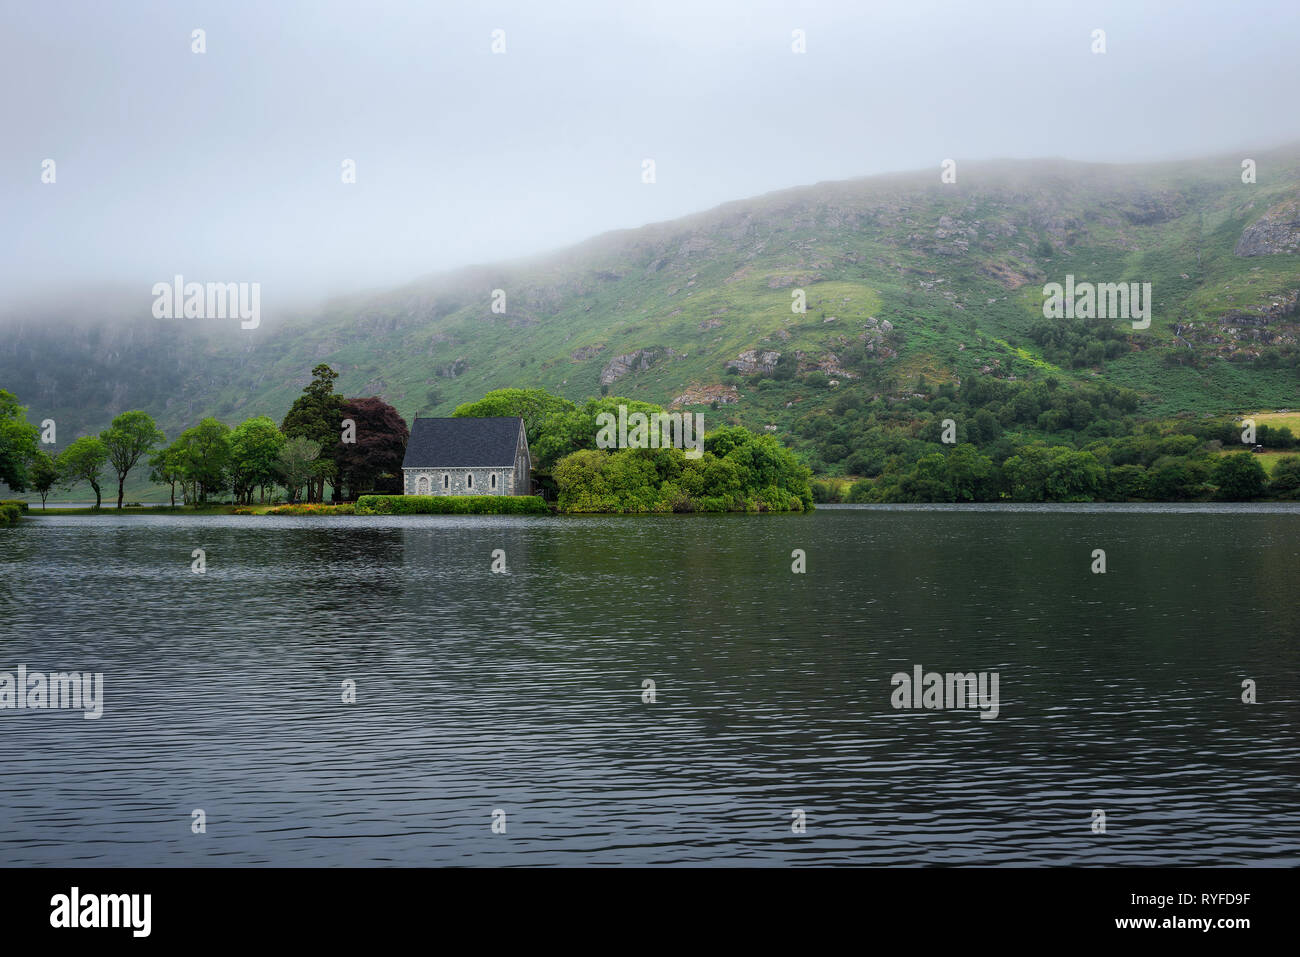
(990, 440)
(355, 445)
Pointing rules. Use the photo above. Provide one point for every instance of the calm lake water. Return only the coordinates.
(523, 691)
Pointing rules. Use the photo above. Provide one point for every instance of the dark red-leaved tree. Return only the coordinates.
(374, 460)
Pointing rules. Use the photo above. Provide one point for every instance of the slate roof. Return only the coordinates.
(463, 443)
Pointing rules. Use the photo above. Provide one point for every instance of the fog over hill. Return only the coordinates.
(903, 275)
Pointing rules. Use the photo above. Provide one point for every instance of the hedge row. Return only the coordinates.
(10, 512)
(451, 505)
(22, 506)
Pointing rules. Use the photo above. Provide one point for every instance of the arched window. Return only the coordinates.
(469, 479)
(494, 481)
(446, 479)
(422, 487)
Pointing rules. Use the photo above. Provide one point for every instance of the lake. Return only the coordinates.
(522, 692)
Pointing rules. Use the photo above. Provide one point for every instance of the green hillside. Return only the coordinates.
(910, 283)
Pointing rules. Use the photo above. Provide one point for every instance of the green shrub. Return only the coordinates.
(305, 508)
(9, 513)
(738, 472)
(1239, 478)
(22, 506)
(827, 490)
(1286, 478)
(451, 505)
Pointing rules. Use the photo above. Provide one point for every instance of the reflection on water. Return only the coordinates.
(523, 691)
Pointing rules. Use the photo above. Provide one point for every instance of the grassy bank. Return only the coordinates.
(152, 510)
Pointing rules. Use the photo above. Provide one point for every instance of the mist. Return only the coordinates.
(229, 165)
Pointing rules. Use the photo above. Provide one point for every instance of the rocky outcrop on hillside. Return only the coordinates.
(707, 395)
(1241, 333)
(828, 363)
(452, 369)
(1012, 276)
(637, 361)
(1277, 231)
(755, 362)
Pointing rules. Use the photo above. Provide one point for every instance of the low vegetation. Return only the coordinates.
(450, 505)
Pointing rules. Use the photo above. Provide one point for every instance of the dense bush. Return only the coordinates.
(450, 505)
(1286, 478)
(9, 513)
(829, 491)
(21, 505)
(737, 472)
(1239, 478)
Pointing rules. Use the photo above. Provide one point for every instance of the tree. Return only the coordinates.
(927, 482)
(1286, 478)
(43, 474)
(1239, 477)
(128, 437)
(168, 465)
(569, 428)
(380, 445)
(1128, 482)
(206, 449)
(1174, 479)
(1056, 474)
(83, 461)
(968, 473)
(254, 456)
(18, 442)
(534, 406)
(297, 464)
(317, 415)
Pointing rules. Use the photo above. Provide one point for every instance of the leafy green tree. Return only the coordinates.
(1173, 479)
(317, 415)
(1239, 477)
(722, 441)
(1075, 476)
(580, 478)
(207, 457)
(255, 446)
(298, 464)
(968, 474)
(83, 461)
(18, 442)
(1053, 474)
(1286, 478)
(865, 461)
(534, 406)
(926, 482)
(43, 474)
(566, 430)
(769, 468)
(168, 466)
(985, 427)
(129, 436)
(1128, 482)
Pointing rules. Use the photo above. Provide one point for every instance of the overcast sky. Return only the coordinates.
(226, 165)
